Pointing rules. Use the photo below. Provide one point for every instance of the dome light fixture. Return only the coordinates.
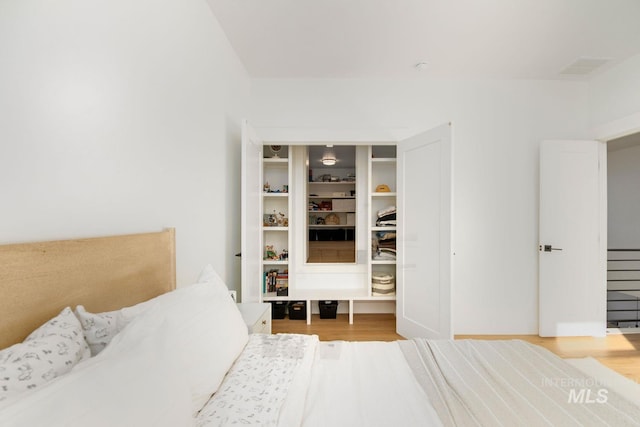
(328, 159)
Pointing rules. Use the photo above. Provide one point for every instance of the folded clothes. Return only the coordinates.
(384, 254)
(385, 235)
(387, 210)
(389, 223)
(387, 245)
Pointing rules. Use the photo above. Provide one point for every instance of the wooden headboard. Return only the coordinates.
(38, 280)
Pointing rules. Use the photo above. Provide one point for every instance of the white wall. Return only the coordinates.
(615, 94)
(121, 117)
(624, 198)
(497, 127)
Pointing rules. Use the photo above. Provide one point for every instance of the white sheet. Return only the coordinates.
(365, 384)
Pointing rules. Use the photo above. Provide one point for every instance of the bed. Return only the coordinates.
(100, 336)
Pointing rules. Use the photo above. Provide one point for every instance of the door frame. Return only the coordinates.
(604, 133)
(363, 137)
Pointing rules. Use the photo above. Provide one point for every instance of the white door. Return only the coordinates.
(572, 238)
(251, 185)
(423, 302)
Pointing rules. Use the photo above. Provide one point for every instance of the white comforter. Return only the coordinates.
(293, 380)
(365, 384)
(409, 383)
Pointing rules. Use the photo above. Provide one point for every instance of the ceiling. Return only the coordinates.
(520, 39)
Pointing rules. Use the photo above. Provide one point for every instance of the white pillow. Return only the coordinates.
(136, 387)
(48, 352)
(204, 330)
(100, 328)
(209, 275)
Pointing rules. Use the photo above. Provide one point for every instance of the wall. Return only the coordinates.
(121, 117)
(615, 94)
(624, 199)
(497, 127)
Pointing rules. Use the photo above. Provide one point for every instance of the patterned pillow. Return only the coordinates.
(48, 352)
(99, 328)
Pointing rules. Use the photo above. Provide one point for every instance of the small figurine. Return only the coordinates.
(266, 187)
(270, 253)
(284, 255)
(281, 220)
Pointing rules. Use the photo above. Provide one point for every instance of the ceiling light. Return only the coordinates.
(329, 159)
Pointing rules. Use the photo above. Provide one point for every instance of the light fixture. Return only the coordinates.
(329, 157)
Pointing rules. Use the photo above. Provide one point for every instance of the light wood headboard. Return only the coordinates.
(38, 280)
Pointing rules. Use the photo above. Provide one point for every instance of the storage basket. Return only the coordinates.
(382, 284)
(298, 310)
(328, 309)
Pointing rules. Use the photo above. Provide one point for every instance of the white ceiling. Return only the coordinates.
(533, 39)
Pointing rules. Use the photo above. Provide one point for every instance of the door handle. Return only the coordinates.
(548, 248)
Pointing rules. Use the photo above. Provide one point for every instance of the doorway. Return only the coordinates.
(623, 231)
(331, 204)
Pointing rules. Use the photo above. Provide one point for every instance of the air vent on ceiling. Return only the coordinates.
(584, 66)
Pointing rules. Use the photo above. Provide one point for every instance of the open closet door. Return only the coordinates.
(423, 302)
(572, 236)
(251, 184)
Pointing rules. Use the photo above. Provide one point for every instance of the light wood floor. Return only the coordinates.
(619, 352)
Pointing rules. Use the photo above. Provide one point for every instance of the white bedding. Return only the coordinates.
(512, 382)
(183, 361)
(365, 384)
(266, 386)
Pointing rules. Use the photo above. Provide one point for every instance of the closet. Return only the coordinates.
(370, 228)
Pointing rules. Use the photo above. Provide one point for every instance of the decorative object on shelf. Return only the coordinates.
(285, 188)
(332, 219)
(325, 205)
(270, 220)
(284, 255)
(383, 188)
(266, 187)
(282, 220)
(270, 253)
(275, 149)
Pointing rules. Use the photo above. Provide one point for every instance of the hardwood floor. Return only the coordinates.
(619, 352)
